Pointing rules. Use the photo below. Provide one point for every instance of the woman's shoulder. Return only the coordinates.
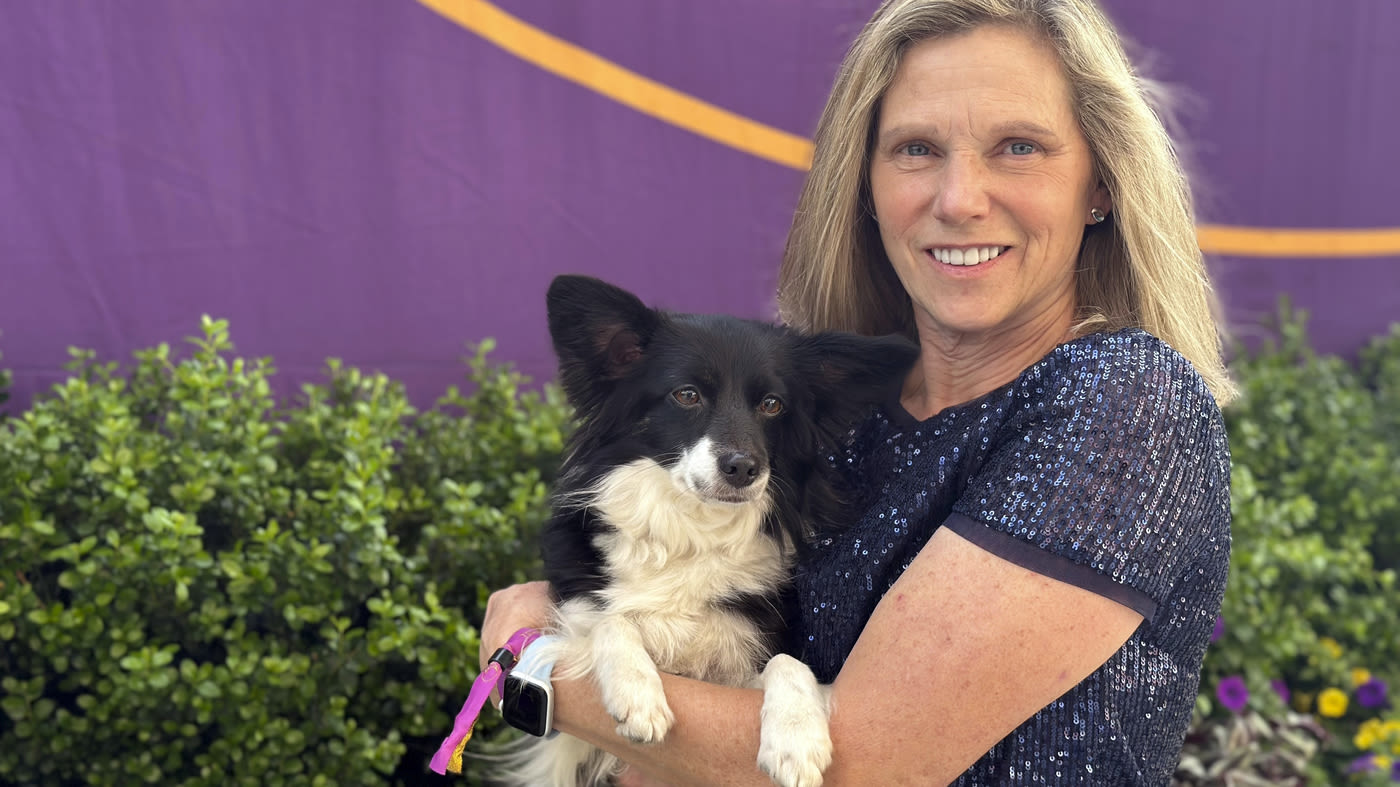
(1122, 388)
(1105, 366)
(1129, 349)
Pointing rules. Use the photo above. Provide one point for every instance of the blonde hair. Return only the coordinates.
(1141, 268)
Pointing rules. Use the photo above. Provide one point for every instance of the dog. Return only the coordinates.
(695, 474)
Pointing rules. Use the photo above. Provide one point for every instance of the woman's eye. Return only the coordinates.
(1022, 148)
(686, 397)
(916, 149)
(771, 405)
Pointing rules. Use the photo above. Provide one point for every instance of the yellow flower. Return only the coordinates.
(1332, 703)
(1360, 675)
(1382, 762)
(1365, 738)
(1376, 731)
(1330, 645)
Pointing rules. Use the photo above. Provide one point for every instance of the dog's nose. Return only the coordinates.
(739, 469)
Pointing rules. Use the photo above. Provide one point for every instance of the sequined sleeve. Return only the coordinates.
(1116, 477)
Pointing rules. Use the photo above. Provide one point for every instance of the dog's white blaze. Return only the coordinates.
(698, 471)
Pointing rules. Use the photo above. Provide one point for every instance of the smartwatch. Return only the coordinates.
(527, 698)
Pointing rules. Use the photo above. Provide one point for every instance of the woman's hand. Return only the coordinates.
(529, 606)
(509, 609)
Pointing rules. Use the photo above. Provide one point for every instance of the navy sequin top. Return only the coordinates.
(1104, 465)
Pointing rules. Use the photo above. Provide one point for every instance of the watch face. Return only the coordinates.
(525, 706)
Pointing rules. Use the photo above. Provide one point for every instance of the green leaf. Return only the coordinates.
(15, 707)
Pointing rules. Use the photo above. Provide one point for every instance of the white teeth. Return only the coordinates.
(967, 256)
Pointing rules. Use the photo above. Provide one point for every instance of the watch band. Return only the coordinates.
(539, 661)
(536, 665)
(449, 754)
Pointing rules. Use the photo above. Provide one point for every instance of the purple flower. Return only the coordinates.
(1232, 693)
(1366, 763)
(1219, 629)
(1281, 689)
(1371, 694)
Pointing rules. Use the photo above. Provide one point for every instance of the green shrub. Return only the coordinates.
(1380, 371)
(4, 382)
(199, 587)
(1312, 595)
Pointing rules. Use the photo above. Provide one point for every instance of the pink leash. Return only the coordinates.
(449, 754)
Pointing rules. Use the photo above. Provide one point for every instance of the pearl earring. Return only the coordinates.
(1097, 215)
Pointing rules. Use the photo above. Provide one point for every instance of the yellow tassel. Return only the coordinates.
(454, 765)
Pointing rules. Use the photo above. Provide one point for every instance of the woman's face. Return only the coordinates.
(982, 184)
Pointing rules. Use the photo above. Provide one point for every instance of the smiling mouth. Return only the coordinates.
(967, 256)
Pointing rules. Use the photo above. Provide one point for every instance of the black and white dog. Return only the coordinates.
(695, 473)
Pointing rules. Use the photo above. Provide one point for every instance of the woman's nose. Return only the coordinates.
(962, 190)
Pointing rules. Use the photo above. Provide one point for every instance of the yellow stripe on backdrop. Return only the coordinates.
(650, 97)
(626, 87)
(1263, 242)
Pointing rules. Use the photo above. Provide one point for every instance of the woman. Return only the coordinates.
(1042, 538)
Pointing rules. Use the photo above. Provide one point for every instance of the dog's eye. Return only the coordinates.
(686, 397)
(771, 405)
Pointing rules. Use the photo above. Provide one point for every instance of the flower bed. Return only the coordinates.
(1300, 677)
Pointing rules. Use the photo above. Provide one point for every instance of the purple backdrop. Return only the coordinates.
(369, 180)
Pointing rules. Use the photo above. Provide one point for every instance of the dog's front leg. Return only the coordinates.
(629, 681)
(795, 737)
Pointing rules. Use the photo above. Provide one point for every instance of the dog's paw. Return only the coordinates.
(795, 742)
(639, 707)
(798, 756)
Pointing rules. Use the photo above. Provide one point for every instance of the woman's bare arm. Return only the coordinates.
(963, 649)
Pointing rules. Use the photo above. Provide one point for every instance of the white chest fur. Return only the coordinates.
(673, 559)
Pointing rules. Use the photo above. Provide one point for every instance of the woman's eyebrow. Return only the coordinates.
(1009, 128)
(893, 133)
(1014, 128)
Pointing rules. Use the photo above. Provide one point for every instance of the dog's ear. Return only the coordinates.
(849, 372)
(599, 330)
